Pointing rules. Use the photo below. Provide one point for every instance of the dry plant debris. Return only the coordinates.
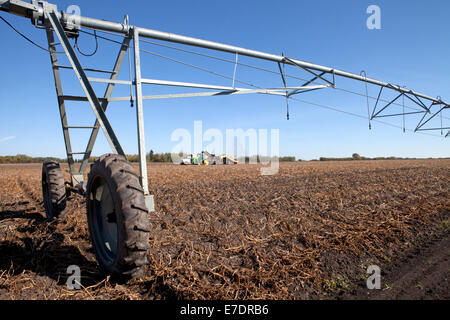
(226, 232)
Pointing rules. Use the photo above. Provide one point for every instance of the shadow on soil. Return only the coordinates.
(41, 250)
(21, 214)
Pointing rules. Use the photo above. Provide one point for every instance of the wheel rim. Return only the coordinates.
(104, 220)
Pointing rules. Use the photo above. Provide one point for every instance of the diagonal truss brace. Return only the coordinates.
(105, 102)
(422, 122)
(417, 101)
(304, 88)
(404, 94)
(316, 76)
(374, 115)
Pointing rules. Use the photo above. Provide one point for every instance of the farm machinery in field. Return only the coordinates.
(117, 198)
(206, 158)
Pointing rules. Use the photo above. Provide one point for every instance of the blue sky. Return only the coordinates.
(411, 49)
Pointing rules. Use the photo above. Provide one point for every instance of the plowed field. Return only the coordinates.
(226, 232)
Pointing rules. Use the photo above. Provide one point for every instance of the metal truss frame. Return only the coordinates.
(412, 96)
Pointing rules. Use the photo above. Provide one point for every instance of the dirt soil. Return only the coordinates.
(227, 232)
(423, 273)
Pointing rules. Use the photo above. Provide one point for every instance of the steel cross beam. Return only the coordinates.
(399, 114)
(219, 93)
(223, 90)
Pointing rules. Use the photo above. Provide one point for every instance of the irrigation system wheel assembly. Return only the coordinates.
(53, 191)
(116, 212)
(117, 216)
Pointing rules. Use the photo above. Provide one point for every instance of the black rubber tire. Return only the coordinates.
(130, 216)
(53, 191)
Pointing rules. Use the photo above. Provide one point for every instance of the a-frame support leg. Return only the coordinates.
(61, 103)
(85, 84)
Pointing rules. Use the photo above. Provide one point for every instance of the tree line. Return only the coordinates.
(23, 158)
(357, 157)
(166, 157)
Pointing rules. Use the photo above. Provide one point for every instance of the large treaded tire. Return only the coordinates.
(53, 191)
(130, 213)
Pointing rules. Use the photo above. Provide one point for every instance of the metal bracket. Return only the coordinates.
(150, 203)
(77, 179)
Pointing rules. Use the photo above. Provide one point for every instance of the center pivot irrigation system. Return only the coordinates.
(118, 199)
